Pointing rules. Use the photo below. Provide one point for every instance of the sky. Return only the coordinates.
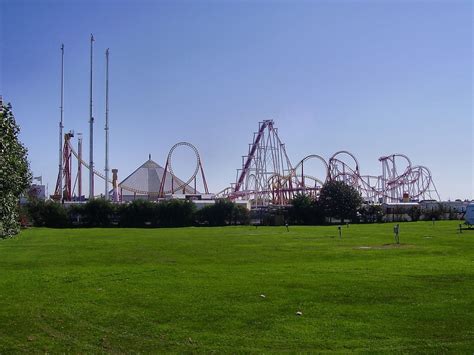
(370, 77)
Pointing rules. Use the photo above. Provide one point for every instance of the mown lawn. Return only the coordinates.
(199, 289)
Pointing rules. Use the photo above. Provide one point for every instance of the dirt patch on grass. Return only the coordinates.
(386, 246)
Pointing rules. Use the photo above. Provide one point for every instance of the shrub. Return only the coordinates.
(47, 214)
(371, 214)
(139, 213)
(306, 211)
(339, 200)
(98, 213)
(175, 213)
(240, 215)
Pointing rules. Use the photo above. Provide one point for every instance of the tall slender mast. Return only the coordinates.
(107, 124)
(79, 166)
(61, 127)
(91, 133)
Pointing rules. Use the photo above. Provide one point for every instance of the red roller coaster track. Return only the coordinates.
(267, 175)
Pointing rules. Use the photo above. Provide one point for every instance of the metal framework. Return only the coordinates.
(267, 176)
(399, 181)
(66, 174)
(192, 178)
(63, 190)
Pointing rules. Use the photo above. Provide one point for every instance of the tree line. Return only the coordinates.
(136, 214)
(336, 201)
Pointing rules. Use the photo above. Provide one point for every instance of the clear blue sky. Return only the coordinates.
(371, 77)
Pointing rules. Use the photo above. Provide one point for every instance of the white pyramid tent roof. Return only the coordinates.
(146, 180)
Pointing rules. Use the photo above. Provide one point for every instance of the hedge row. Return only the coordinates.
(139, 213)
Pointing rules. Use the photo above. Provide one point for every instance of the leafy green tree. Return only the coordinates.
(47, 214)
(218, 214)
(415, 213)
(301, 210)
(98, 213)
(175, 213)
(371, 213)
(139, 213)
(306, 210)
(15, 174)
(240, 215)
(339, 200)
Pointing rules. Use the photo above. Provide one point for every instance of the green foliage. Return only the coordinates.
(15, 175)
(434, 212)
(221, 213)
(339, 200)
(218, 214)
(371, 214)
(47, 214)
(197, 290)
(415, 213)
(98, 213)
(176, 213)
(240, 215)
(306, 211)
(139, 213)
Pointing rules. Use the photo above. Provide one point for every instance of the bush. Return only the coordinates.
(306, 211)
(98, 213)
(434, 213)
(223, 212)
(139, 213)
(371, 214)
(47, 214)
(175, 213)
(339, 200)
(240, 215)
(15, 175)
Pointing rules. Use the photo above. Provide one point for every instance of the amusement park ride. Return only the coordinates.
(66, 191)
(267, 176)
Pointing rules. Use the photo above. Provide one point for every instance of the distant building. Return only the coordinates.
(144, 183)
(34, 192)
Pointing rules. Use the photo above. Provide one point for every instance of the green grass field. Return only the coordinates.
(198, 289)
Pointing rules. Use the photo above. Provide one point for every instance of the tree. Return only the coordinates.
(339, 200)
(240, 214)
(47, 214)
(15, 174)
(306, 210)
(139, 213)
(175, 213)
(218, 214)
(300, 211)
(371, 213)
(98, 213)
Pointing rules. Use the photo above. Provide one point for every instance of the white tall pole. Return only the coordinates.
(91, 133)
(107, 124)
(61, 127)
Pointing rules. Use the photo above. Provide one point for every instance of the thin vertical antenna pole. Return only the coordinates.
(91, 132)
(107, 124)
(61, 127)
(79, 166)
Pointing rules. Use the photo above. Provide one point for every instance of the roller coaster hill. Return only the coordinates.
(149, 181)
(268, 177)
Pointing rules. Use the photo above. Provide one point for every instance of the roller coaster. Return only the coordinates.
(70, 192)
(267, 176)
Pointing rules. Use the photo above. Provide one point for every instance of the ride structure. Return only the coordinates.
(168, 182)
(267, 176)
(164, 183)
